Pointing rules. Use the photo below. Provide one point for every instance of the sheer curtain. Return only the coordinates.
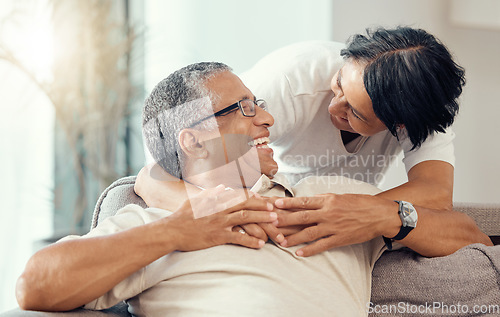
(26, 145)
(26, 130)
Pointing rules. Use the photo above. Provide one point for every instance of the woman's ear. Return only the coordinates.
(191, 144)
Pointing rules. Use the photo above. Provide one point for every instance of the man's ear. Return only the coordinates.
(191, 144)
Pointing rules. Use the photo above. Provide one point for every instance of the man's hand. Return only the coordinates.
(265, 230)
(195, 233)
(220, 198)
(337, 220)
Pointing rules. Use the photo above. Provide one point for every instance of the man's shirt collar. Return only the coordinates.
(264, 184)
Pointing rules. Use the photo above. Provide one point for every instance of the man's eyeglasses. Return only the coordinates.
(247, 108)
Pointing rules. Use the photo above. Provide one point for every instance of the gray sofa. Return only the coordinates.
(466, 283)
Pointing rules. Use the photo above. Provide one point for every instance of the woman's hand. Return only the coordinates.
(337, 220)
(195, 233)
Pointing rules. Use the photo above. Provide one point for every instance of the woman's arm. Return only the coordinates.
(338, 220)
(430, 184)
(160, 189)
(72, 273)
(341, 220)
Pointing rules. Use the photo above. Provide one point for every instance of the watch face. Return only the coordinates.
(408, 214)
(405, 210)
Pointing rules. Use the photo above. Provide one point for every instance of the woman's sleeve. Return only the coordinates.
(295, 82)
(437, 147)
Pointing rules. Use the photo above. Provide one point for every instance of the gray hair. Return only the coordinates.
(176, 103)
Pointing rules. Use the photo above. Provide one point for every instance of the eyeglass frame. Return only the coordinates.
(229, 109)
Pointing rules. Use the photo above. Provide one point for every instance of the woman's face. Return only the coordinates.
(351, 107)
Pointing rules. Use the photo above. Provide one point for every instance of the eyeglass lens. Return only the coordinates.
(248, 106)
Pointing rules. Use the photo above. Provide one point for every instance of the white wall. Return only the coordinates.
(237, 33)
(477, 150)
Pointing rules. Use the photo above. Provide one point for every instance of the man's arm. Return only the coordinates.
(71, 273)
(430, 184)
(337, 220)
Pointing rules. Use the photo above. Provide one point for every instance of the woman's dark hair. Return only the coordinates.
(411, 79)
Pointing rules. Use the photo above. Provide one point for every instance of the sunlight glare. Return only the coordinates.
(29, 36)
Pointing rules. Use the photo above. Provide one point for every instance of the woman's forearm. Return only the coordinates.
(440, 233)
(159, 189)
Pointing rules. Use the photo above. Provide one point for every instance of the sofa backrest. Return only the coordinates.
(119, 194)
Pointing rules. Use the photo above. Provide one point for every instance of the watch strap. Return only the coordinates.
(403, 231)
(388, 243)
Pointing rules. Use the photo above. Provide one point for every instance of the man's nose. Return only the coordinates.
(262, 117)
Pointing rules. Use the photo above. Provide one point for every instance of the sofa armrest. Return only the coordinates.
(470, 277)
(486, 216)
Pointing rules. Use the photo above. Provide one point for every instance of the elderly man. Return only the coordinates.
(203, 125)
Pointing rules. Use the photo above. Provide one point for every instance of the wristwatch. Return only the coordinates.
(409, 217)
